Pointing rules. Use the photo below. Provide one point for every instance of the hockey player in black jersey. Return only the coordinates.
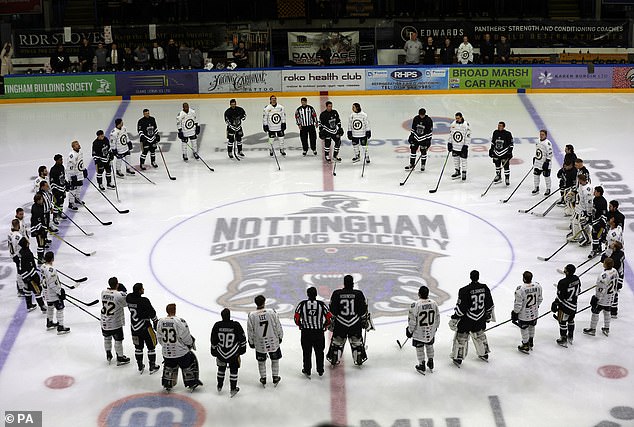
(348, 307)
(234, 116)
(599, 220)
(420, 136)
(102, 157)
(330, 129)
(143, 322)
(228, 342)
(30, 276)
(565, 305)
(59, 185)
(148, 132)
(501, 152)
(473, 310)
(39, 225)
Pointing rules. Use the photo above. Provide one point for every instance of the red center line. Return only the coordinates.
(338, 408)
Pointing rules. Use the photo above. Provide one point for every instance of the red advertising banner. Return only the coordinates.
(13, 7)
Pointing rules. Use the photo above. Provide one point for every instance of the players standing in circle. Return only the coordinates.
(565, 305)
(501, 152)
(542, 161)
(348, 306)
(473, 310)
(528, 297)
(265, 333)
(55, 295)
(143, 322)
(148, 133)
(420, 136)
(306, 119)
(359, 132)
(188, 130)
(423, 320)
(313, 318)
(76, 172)
(599, 221)
(458, 145)
(29, 274)
(228, 342)
(234, 116)
(113, 299)
(59, 185)
(120, 147)
(177, 343)
(605, 290)
(42, 175)
(330, 129)
(274, 124)
(102, 157)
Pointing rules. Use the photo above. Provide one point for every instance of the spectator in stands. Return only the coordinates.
(172, 54)
(141, 57)
(429, 52)
(465, 51)
(60, 61)
(503, 51)
(447, 52)
(413, 48)
(241, 56)
(86, 56)
(128, 59)
(197, 59)
(158, 55)
(487, 50)
(184, 56)
(101, 53)
(115, 58)
(324, 54)
(5, 58)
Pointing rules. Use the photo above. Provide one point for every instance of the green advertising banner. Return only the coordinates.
(54, 86)
(490, 78)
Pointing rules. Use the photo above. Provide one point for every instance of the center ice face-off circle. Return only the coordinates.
(279, 245)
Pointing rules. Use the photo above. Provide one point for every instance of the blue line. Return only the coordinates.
(629, 274)
(20, 313)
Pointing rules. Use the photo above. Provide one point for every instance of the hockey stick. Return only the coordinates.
(83, 279)
(365, 156)
(518, 185)
(68, 286)
(63, 215)
(560, 248)
(334, 167)
(275, 156)
(441, 172)
(493, 180)
(499, 324)
(93, 214)
(589, 268)
(543, 214)
(561, 271)
(83, 309)
(88, 304)
(125, 211)
(200, 158)
(537, 204)
(73, 246)
(116, 186)
(411, 170)
(138, 171)
(404, 342)
(173, 178)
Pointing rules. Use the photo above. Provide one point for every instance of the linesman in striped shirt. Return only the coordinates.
(306, 119)
(313, 318)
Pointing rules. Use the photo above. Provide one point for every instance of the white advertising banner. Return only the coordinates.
(239, 81)
(303, 47)
(323, 79)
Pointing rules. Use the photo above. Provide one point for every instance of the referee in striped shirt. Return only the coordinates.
(306, 119)
(313, 318)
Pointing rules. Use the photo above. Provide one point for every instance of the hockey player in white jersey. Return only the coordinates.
(55, 295)
(274, 124)
(542, 162)
(359, 132)
(458, 145)
(75, 173)
(120, 147)
(422, 323)
(606, 288)
(615, 234)
(42, 175)
(188, 130)
(580, 220)
(528, 297)
(265, 333)
(177, 344)
(113, 300)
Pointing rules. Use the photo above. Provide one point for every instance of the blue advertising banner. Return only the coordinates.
(157, 83)
(571, 77)
(406, 78)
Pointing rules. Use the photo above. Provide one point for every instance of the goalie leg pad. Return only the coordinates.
(480, 342)
(460, 345)
(334, 351)
(358, 353)
(170, 374)
(190, 369)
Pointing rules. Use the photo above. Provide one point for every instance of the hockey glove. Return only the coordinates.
(85, 173)
(67, 186)
(453, 324)
(193, 346)
(546, 165)
(350, 135)
(280, 340)
(594, 301)
(514, 316)
(464, 151)
(265, 128)
(408, 334)
(112, 154)
(509, 154)
(491, 152)
(130, 146)
(554, 307)
(157, 138)
(62, 294)
(197, 129)
(180, 134)
(214, 352)
(283, 127)
(251, 345)
(340, 132)
(534, 159)
(368, 134)
(121, 288)
(449, 146)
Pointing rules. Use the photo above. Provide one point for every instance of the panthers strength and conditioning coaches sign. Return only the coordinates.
(279, 245)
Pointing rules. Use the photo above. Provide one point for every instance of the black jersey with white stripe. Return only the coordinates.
(474, 302)
(57, 177)
(568, 289)
(228, 340)
(141, 312)
(348, 306)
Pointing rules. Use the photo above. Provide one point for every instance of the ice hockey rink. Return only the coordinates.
(213, 239)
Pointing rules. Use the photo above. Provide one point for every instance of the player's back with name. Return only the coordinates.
(607, 286)
(568, 289)
(228, 339)
(112, 316)
(348, 305)
(174, 336)
(474, 301)
(141, 312)
(528, 296)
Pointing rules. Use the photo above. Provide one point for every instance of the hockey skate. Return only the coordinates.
(72, 207)
(196, 156)
(327, 158)
(535, 191)
(524, 348)
(142, 166)
(507, 180)
(563, 341)
(31, 307)
(271, 152)
(547, 192)
(51, 325)
(530, 343)
(154, 369)
(120, 175)
(367, 159)
(420, 368)
(464, 175)
(241, 154)
(141, 368)
(110, 186)
(154, 165)
(594, 253)
(457, 362)
(430, 365)
(263, 381)
(230, 154)
(276, 380)
(306, 373)
(130, 172)
(185, 158)
(606, 331)
(219, 387)
(590, 331)
(314, 153)
(122, 360)
(304, 153)
(101, 187)
(234, 391)
(61, 329)
(282, 152)
(195, 386)
(484, 358)
(498, 178)
(356, 159)
(409, 167)
(456, 174)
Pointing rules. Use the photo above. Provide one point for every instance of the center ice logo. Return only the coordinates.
(153, 410)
